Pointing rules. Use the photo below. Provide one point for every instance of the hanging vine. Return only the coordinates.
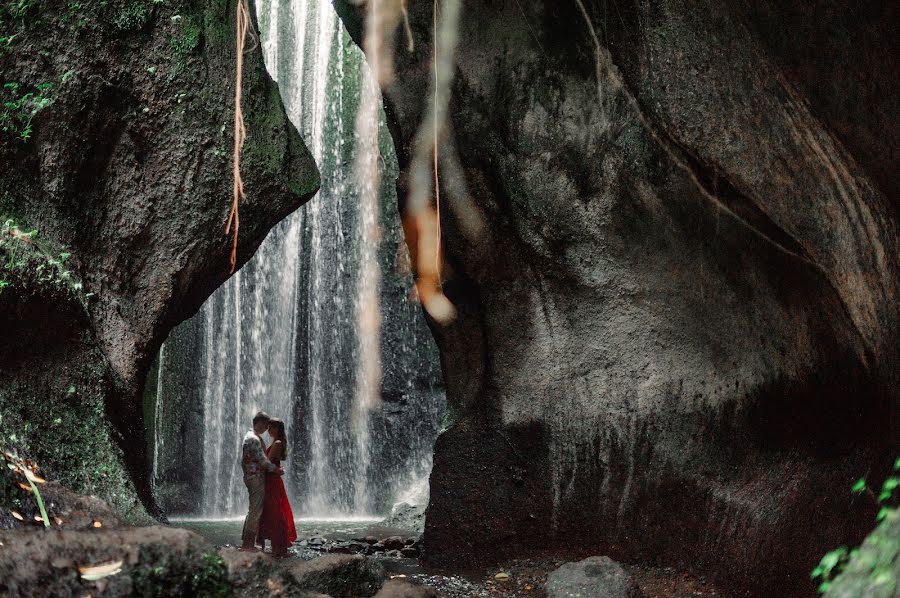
(242, 27)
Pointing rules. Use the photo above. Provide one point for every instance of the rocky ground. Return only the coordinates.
(398, 554)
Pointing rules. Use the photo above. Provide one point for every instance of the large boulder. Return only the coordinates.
(340, 575)
(116, 147)
(594, 577)
(678, 334)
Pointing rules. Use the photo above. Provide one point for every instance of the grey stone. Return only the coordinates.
(400, 588)
(393, 543)
(594, 577)
(339, 575)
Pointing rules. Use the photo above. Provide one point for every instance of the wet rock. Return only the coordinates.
(411, 540)
(370, 539)
(394, 554)
(406, 516)
(154, 560)
(393, 543)
(398, 588)
(623, 306)
(594, 577)
(409, 552)
(377, 547)
(340, 576)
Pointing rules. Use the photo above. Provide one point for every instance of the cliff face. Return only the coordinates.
(677, 341)
(120, 158)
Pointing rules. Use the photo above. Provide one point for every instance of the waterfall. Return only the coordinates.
(282, 335)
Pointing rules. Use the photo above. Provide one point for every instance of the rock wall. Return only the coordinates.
(120, 159)
(677, 340)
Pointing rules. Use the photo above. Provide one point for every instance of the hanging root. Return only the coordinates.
(423, 224)
(242, 27)
(410, 45)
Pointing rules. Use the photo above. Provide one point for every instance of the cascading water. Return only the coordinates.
(282, 334)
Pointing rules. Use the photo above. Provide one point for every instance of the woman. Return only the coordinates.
(277, 521)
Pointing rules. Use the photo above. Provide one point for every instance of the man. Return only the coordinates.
(255, 465)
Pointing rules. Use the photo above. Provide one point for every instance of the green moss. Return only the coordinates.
(162, 574)
(55, 415)
(217, 25)
(189, 36)
(133, 16)
(67, 434)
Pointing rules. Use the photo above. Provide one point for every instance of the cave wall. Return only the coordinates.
(677, 339)
(126, 177)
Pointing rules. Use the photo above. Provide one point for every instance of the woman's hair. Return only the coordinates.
(278, 424)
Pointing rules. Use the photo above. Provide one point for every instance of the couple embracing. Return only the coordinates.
(269, 516)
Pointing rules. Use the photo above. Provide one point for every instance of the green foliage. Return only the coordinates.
(834, 563)
(135, 15)
(189, 36)
(13, 15)
(19, 108)
(27, 262)
(212, 577)
(159, 574)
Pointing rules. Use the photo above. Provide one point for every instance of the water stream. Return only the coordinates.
(281, 335)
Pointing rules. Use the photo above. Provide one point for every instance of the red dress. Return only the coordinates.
(277, 521)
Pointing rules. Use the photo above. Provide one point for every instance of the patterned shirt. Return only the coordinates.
(253, 458)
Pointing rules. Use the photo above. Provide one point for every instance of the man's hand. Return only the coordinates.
(279, 471)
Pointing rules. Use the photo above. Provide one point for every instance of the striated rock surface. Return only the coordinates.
(126, 175)
(678, 336)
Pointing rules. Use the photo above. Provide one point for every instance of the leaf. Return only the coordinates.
(95, 572)
(882, 513)
(24, 487)
(17, 515)
(897, 463)
(859, 486)
(33, 477)
(831, 560)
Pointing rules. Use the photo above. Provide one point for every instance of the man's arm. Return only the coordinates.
(253, 450)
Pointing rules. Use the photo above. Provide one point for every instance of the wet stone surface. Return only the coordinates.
(517, 577)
